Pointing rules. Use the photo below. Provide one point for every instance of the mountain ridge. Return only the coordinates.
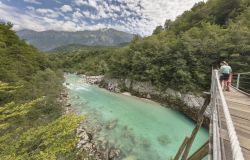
(51, 39)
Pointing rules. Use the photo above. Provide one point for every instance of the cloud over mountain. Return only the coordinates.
(135, 16)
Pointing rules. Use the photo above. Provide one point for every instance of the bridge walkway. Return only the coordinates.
(229, 128)
(239, 109)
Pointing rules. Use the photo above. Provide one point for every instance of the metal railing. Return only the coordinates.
(241, 81)
(220, 107)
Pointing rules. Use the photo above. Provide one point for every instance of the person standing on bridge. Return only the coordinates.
(225, 72)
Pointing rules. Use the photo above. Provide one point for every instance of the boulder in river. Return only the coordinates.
(113, 153)
(148, 96)
(163, 140)
(146, 143)
(68, 105)
(130, 157)
(111, 124)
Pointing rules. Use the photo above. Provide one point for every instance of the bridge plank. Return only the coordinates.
(240, 122)
(228, 152)
(244, 142)
(239, 101)
(244, 114)
(243, 131)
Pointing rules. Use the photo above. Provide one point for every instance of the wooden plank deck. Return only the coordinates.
(239, 108)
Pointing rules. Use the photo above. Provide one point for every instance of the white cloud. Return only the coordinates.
(44, 10)
(77, 14)
(36, 22)
(81, 2)
(32, 1)
(57, 1)
(136, 16)
(92, 3)
(155, 12)
(20, 20)
(30, 8)
(48, 12)
(66, 8)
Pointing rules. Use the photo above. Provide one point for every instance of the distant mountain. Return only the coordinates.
(48, 40)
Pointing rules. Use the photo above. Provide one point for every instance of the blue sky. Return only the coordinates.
(134, 16)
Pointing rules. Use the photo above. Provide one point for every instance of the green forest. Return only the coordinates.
(32, 124)
(181, 52)
(179, 55)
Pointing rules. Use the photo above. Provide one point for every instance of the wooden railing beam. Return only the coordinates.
(201, 152)
(181, 149)
(197, 127)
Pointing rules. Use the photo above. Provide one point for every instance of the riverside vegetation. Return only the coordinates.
(31, 121)
(178, 55)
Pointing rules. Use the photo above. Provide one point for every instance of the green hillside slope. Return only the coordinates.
(31, 121)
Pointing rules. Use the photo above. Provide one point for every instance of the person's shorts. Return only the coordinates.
(224, 77)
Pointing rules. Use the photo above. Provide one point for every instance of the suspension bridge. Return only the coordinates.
(229, 128)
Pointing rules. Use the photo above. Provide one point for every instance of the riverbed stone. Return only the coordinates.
(148, 96)
(111, 124)
(163, 140)
(113, 153)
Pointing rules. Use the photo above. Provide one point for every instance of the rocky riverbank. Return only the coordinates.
(63, 99)
(90, 143)
(187, 103)
(97, 147)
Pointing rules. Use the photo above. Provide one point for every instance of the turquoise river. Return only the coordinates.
(141, 129)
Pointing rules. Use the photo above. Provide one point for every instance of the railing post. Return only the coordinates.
(238, 81)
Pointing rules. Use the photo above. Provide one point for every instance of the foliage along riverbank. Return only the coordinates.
(32, 125)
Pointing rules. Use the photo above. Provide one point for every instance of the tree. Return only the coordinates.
(167, 24)
(158, 30)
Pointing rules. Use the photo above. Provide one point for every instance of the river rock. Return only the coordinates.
(68, 105)
(117, 90)
(104, 145)
(64, 95)
(111, 124)
(113, 153)
(79, 130)
(164, 140)
(84, 137)
(131, 157)
(148, 96)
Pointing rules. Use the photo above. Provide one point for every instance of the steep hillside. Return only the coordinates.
(83, 59)
(31, 121)
(48, 40)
